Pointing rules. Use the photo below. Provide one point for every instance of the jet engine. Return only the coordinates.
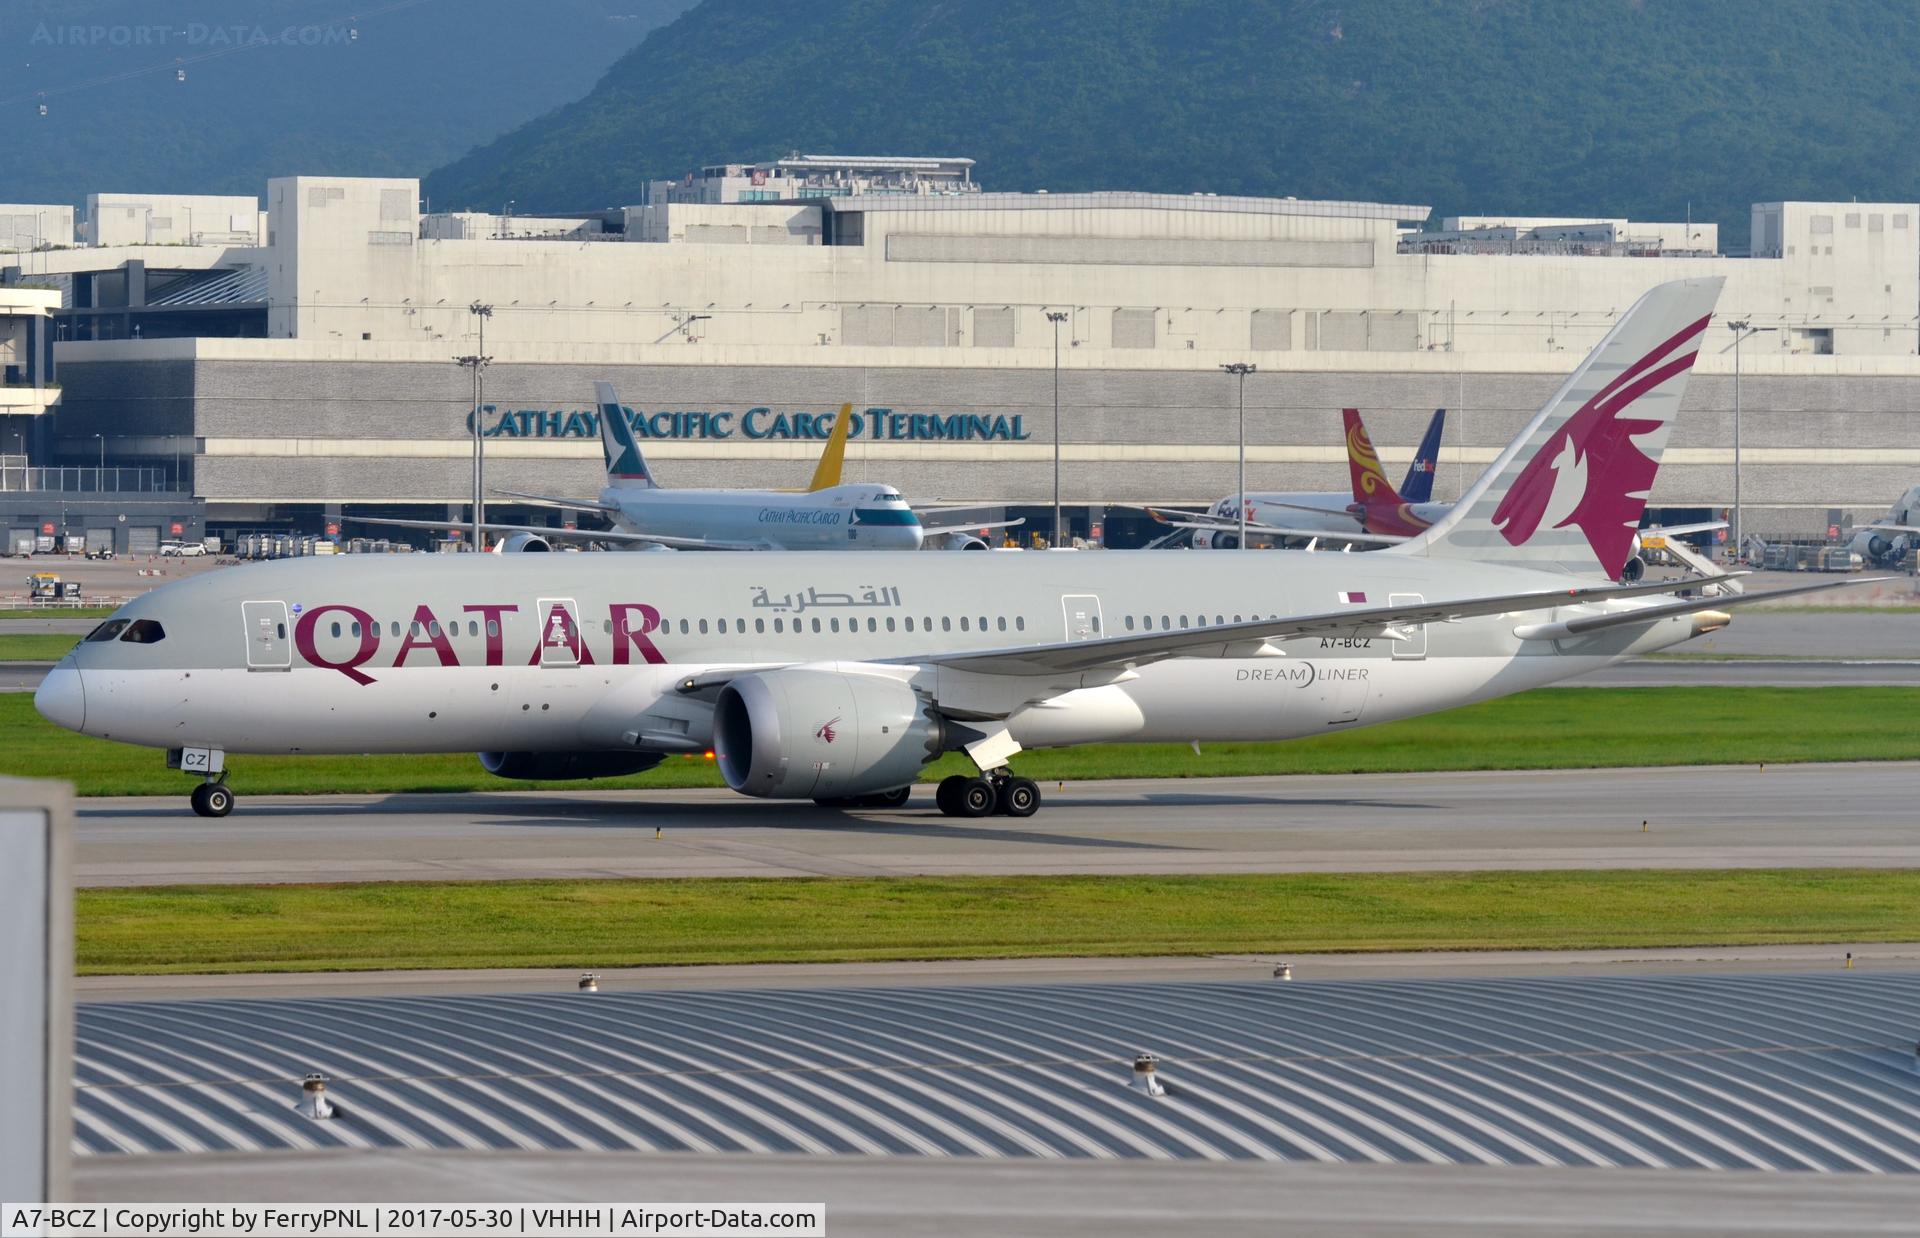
(965, 541)
(522, 543)
(818, 734)
(556, 766)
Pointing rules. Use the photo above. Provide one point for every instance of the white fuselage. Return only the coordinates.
(846, 517)
(590, 652)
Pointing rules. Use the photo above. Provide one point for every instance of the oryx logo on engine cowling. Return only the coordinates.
(1591, 472)
(825, 734)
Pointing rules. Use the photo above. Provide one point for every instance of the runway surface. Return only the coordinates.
(1696, 817)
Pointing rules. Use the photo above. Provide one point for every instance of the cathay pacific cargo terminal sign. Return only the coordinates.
(874, 424)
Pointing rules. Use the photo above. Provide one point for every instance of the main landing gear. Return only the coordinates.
(997, 791)
(212, 798)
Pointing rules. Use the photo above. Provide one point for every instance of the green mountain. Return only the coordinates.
(1644, 108)
(272, 87)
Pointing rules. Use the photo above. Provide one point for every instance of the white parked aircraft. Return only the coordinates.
(826, 516)
(838, 677)
(1881, 543)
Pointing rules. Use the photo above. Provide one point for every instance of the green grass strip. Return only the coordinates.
(1549, 729)
(35, 646)
(634, 923)
(56, 612)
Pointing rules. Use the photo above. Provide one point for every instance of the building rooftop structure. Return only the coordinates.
(31, 227)
(801, 176)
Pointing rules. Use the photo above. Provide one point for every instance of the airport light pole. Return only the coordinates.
(1741, 328)
(1240, 370)
(1056, 317)
(477, 362)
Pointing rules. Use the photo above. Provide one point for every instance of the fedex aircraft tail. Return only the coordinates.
(626, 467)
(1418, 487)
(1568, 493)
(1370, 485)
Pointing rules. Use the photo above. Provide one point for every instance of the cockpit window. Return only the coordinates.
(108, 630)
(145, 632)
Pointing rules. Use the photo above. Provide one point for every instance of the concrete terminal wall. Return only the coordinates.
(363, 432)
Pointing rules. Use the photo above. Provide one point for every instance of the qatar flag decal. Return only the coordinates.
(1352, 599)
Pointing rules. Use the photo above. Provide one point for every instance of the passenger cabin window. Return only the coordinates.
(149, 632)
(1020, 622)
(108, 630)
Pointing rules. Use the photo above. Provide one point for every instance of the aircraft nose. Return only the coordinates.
(61, 699)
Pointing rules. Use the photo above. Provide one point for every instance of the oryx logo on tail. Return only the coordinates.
(1592, 472)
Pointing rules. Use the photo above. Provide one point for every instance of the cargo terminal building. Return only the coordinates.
(309, 376)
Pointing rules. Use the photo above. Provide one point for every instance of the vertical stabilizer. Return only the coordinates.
(1569, 492)
(626, 467)
(1370, 485)
(1418, 487)
(827, 473)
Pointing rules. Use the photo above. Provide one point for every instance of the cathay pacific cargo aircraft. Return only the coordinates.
(827, 515)
(838, 677)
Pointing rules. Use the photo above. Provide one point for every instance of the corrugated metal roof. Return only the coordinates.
(1807, 1072)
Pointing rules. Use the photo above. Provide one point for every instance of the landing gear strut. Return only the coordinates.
(985, 794)
(212, 798)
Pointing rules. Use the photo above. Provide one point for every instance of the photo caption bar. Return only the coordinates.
(216, 1220)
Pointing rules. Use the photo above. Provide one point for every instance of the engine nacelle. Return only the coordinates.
(559, 766)
(522, 543)
(811, 734)
(965, 541)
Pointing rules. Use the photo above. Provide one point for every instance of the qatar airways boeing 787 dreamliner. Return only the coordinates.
(838, 676)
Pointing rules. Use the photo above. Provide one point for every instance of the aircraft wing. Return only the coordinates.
(578, 505)
(1566, 628)
(581, 535)
(1248, 639)
(1675, 530)
(971, 528)
(1886, 528)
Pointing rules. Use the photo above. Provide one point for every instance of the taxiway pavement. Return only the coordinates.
(1696, 817)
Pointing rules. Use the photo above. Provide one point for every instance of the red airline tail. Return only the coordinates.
(1370, 485)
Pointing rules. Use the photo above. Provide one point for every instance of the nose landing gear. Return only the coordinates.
(212, 798)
